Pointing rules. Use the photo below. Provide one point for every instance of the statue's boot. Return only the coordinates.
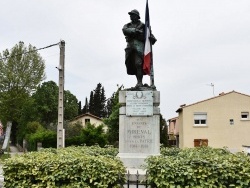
(139, 84)
(139, 78)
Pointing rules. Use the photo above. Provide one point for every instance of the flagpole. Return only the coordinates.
(152, 81)
(148, 51)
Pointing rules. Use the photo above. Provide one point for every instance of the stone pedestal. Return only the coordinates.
(139, 127)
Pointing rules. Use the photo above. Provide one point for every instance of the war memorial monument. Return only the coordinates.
(139, 114)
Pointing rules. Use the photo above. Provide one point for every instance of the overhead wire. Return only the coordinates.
(30, 51)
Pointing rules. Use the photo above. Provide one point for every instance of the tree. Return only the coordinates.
(72, 130)
(110, 104)
(89, 135)
(79, 108)
(103, 110)
(113, 120)
(22, 69)
(29, 114)
(92, 135)
(97, 102)
(71, 105)
(43, 108)
(85, 109)
(163, 132)
(46, 102)
(91, 102)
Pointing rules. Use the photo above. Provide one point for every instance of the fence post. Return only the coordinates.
(137, 179)
(128, 176)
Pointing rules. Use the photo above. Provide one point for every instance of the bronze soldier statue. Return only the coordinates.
(134, 34)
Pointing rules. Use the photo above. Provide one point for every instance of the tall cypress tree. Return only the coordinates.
(97, 103)
(79, 108)
(91, 103)
(85, 108)
(103, 104)
(97, 100)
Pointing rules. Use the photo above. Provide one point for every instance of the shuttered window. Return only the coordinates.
(200, 119)
(244, 115)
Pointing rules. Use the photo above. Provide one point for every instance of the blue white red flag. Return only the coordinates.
(148, 47)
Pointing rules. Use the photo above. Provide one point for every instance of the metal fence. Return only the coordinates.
(136, 181)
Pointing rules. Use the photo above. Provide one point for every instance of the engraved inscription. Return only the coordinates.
(139, 135)
(139, 103)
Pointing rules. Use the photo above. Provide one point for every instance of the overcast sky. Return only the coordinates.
(199, 42)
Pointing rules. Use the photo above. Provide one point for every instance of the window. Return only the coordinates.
(231, 121)
(87, 121)
(244, 115)
(200, 142)
(200, 119)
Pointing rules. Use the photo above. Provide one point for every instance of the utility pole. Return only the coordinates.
(60, 129)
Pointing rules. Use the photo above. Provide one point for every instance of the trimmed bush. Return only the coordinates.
(47, 137)
(89, 135)
(198, 168)
(67, 167)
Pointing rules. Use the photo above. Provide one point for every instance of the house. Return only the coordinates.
(88, 118)
(221, 121)
(173, 131)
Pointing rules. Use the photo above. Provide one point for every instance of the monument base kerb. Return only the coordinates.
(139, 127)
(135, 161)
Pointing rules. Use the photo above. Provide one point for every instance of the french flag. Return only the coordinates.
(148, 46)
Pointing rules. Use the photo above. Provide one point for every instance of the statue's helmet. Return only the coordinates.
(136, 12)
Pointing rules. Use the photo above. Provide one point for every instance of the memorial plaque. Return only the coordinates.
(138, 135)
(139, 103)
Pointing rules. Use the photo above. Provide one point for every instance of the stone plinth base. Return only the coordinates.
(133, 160)
(139, 135)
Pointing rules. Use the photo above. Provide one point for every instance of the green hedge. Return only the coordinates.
(46, 137)
(68, 167)
(199, 168)
(96, 167)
